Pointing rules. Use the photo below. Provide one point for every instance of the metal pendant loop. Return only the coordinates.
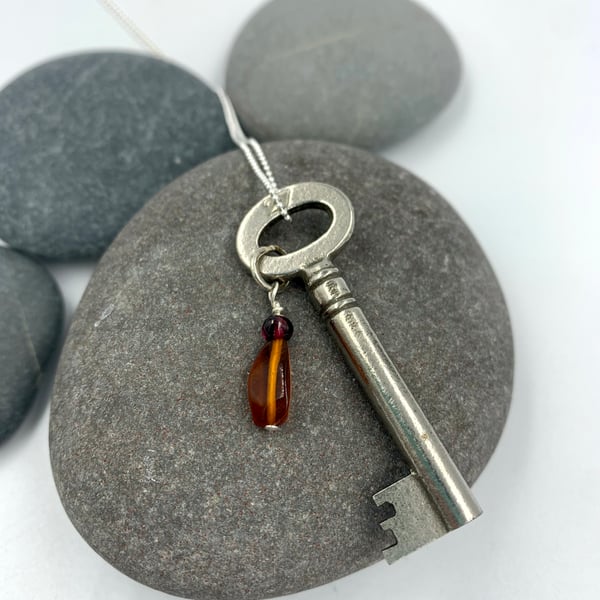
(276, 285)
(300, 195)
(255, 261)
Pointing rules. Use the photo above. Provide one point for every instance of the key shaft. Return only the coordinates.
(390, 396)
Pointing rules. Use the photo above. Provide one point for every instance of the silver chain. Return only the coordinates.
(249, 146)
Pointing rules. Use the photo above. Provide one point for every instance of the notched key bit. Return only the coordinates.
(416, 521)
(434, 499)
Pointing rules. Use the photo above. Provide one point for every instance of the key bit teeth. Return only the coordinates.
(388, 494)
(416, 522)
(393, 552)
(388, 524)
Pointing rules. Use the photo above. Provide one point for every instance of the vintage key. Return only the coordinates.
(434, 498)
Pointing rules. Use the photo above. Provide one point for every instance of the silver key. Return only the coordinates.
(434, 498)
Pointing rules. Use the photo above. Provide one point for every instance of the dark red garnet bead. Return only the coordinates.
(277, 327)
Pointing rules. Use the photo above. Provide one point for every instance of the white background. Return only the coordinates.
(518, 154)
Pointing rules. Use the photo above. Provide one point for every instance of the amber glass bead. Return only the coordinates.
(270, 384)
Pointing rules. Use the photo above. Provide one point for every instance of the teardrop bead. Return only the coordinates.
(270, 384)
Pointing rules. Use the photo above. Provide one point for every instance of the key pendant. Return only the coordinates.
(434, 498)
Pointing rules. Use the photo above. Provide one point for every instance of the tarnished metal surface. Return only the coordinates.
(434, 498)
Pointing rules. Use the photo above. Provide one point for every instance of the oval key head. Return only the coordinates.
(296, 197)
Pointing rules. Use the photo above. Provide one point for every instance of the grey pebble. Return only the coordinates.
(87, 139)
(31, 315)
(353, 71)
(154, 453)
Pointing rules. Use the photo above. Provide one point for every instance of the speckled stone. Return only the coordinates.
(87, 139)
(154, 453)
(31, 313)
(352, 71)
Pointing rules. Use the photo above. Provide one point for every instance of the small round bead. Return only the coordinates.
(277, 327)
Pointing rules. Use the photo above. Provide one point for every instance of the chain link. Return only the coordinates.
(251, 149)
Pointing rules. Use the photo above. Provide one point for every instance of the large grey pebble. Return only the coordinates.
(155, 456)
(87, 139)
(31, 314)
(353, 71)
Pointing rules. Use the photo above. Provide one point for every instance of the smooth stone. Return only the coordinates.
(30, 325)
(352, 71)
(153, 449)
(87, 139)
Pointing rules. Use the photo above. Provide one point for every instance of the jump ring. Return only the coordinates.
(255, 267)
